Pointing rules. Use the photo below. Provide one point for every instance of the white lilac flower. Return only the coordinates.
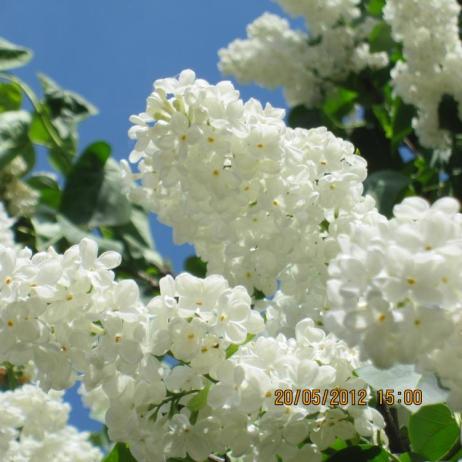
(274, 55)
(259, 201)
(322, 15)
(432, 50)
(394, 289)
(6, 235)
(33, 427)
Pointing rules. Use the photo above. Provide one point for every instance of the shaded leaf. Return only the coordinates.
(10, 97)
(93, 193)
(401, 121)
(84, 182)
(52, 228)
(48, 188)
(12, 55)
(136, 235)
(448, 114)
(360, 453)
(302, 117)
(14, 141)
(195, 266)
(112, 207)
(433, 431)
(120, 453)
(374, 147)
(340, 104)
(64, 109)
(65, 103)
(387, 187)
(380, 38)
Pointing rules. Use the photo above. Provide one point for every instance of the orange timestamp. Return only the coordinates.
(345, 397)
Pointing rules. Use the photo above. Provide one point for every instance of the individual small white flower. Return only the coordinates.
(330, 426)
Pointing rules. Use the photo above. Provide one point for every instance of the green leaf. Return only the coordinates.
(84, 182)
(448, 114)
(340, 104)
(200, 400)
(93, 193)
(48, 188)
(375, 7)
(387, 187)
(64, 103)
(64, 109)
(120, 453)
(38, 133)
(384, 119)
(433, 431)
(12, 55)
(10, 97)
(112, 207)
(52, 228)
(136, 236)
(14, 141)
(360, 453)
(401, 121)
(380, 38)
(195, 266)
(375, 148)
(300, 116)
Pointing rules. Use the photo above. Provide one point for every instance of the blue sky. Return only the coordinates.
(111, 51)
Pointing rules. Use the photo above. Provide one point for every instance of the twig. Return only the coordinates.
(397, 445)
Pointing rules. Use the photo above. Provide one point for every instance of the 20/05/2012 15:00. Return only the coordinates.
(343, 397)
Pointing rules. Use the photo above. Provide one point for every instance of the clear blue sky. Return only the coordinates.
(111, 51)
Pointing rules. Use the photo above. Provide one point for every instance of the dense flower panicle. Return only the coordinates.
(429, 32)
(322, 15)
(394, 289)
(256, 198)
(6, 234)
(33, 428)
(144, 366)
(53, 306)
(274, 55)
(198, 324)
(179, 375)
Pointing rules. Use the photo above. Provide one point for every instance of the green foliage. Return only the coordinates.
(375, 7)
(380, 38)
(10, 97)
(120, 453)
(195, 266)
(92, 194)
(14, 138)
(200, 400)
(92, 201)
(12, 55)
(387, 187)
(433, 431)
(360, 453)
(63, 110)
(448, 114)
(300, 116)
